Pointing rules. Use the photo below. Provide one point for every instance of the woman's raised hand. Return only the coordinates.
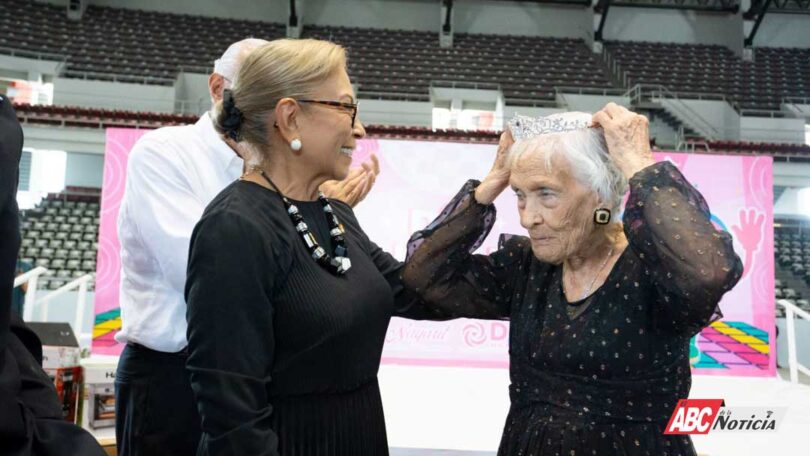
(498, 177)
(356, 186)
(628, 138)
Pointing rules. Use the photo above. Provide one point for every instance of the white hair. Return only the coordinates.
(228, 64)
(586, 152)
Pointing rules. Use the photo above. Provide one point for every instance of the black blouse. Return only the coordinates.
(283, 355)
(607, 380)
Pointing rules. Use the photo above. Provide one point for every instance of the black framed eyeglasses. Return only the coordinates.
(352, 107)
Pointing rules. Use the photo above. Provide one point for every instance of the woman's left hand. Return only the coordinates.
(628, 138)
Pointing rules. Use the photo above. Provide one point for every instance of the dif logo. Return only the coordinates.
(477, 333)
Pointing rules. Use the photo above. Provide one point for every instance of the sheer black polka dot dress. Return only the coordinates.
(600, 376)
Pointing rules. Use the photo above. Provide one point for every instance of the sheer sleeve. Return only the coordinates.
(668, 224)
(231, 341)
(406, 303)
(444, 272)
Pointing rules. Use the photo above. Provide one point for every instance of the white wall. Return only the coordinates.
(265, 10)
(799, 109)
(470, 16)
(63, 309)
(522, 18)
(499, 17)
(113, 95)
(650, 24)
(772, 130)
(783, 30)
(386, 112)
(84, 170)
(510, 111)
(84, 140)
(665, 136)
(791, 175)
(699, 114)
(790, 203)
(29, 67)
(589, 103)
(192, 93)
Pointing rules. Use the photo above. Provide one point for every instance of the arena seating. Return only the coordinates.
(61, 234)
(792, 255)
(775, 73)
(150, 47)
(401, 64)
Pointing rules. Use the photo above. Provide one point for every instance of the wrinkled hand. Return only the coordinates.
(498, 177)
(356, 186)
(628, 138)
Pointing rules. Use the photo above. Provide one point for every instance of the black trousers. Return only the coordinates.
(155, 411)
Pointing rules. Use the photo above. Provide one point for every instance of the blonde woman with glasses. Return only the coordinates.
(288, 299)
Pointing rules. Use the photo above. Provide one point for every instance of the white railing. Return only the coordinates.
(791, 310)
(81, 301)
(659, 94)
(600, 91)
(31, 277)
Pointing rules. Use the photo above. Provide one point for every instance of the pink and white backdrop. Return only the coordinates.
(417, 178)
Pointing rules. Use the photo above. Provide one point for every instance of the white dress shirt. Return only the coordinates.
(172, 175)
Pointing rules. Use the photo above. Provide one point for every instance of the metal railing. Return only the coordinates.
(658, 93)
(81, 301)
(119, 77)
(32, 277)
(794, 106)
(791, 311)
(746, 112)
(17, 52)
(613, 66)
(474, 85)
(607, 92)
(796, 100)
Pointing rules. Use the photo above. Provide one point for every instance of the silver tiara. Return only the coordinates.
(523, 127)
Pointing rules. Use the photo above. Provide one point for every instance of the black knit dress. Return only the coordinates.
(283, 355)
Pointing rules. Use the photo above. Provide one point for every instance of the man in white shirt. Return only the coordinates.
(172, 175)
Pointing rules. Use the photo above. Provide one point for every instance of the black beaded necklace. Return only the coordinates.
(338, 264)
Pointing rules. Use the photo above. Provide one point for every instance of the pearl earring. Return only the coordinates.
(295, 144)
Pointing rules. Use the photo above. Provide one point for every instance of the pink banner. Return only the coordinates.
(420, 177)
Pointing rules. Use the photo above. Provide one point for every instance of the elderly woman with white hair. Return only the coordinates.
(601, 310)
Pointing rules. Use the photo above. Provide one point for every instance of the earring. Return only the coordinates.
(295, 144)
(601, 216)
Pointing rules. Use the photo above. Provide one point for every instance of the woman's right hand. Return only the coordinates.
(498, 177)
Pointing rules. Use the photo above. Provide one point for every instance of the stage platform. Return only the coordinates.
(461, 412)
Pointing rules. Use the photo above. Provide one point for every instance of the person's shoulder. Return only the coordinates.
(230, 212)
(165, 143)
(238, 216)
(232, 200)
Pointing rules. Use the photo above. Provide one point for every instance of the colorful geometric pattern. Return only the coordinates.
(731, 345)
(107, 324)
